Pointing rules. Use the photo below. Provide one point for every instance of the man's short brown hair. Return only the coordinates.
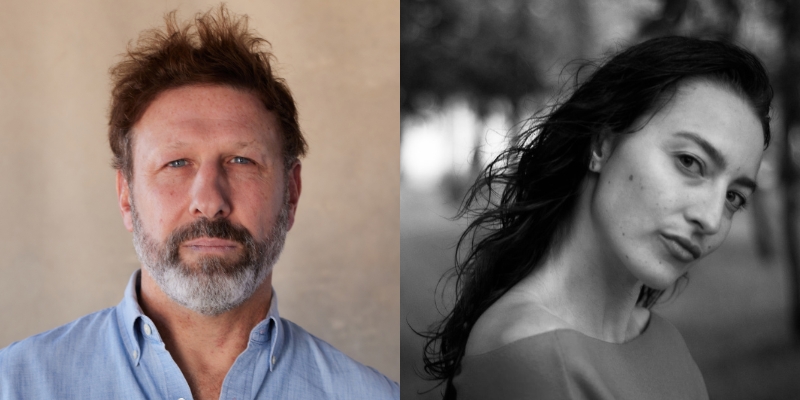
(214, 48)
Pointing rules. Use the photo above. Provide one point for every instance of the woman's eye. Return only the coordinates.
(690, 163)
(240, 160)
(177, 163)
(736, 200)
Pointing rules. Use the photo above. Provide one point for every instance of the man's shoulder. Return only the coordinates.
(50, 348)
(303, 346)
(86, 358)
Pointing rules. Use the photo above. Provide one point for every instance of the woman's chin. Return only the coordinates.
(662, 278)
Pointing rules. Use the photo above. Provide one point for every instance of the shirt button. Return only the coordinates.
(273, 360)
(135, 354)
(181, 398)
(147, 330)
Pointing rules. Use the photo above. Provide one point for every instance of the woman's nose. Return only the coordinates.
(706, 212)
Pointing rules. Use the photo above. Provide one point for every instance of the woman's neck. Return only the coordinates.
(583, 284)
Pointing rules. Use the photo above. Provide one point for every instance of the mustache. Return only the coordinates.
(204, 227)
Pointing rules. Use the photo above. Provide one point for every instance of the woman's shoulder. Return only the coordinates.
(510, 321)
(506, 322)
(563, 363)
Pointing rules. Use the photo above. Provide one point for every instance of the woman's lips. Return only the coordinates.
(681, 248)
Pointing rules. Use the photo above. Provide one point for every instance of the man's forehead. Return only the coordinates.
(208, 111)
(210, 102)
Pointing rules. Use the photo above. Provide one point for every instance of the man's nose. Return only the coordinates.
(210, 192)
(706, 212)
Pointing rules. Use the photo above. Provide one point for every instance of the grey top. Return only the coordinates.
(566, 364)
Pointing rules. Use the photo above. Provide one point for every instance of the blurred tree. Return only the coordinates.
(788, 89)
(483, 51)
(713, 19)
(486, 52)
(720, 19)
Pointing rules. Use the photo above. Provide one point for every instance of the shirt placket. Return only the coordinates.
(250, 367)
(162, 368)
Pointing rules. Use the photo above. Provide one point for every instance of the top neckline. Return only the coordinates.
(642, 337)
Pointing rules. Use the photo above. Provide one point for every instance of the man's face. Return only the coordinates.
(210, 200)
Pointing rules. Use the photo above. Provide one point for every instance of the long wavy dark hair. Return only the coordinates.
(521, 200)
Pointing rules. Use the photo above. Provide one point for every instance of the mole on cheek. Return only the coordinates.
(630, 178)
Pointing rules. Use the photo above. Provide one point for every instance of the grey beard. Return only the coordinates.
(215, 285)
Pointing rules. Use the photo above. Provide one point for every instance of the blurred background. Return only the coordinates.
(63, 249)
(472, 71)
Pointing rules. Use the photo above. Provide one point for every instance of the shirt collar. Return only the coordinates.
(129, 314)
(269, 331)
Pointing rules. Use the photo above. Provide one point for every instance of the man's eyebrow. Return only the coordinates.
(717, 158)
(178, 145)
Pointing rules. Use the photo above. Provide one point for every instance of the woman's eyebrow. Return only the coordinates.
(717, 157)
(712, 151)
(746, 182)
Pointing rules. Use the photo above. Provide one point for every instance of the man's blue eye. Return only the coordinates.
(177, 163)
(240, 160)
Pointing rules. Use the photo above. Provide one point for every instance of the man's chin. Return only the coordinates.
(211, 266)
(210, 288)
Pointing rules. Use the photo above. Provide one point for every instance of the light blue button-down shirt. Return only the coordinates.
(117, 353)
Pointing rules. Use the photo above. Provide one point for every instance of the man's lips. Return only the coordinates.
(210, 244)
(682, 248)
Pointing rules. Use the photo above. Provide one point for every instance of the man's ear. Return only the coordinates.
(295, 185)
(124, 198)
(601, 151)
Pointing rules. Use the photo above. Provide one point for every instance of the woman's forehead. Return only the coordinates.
(715, 115)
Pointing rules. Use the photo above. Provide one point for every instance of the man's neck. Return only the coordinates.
(204, 347)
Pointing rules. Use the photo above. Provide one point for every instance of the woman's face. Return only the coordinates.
(665, 195)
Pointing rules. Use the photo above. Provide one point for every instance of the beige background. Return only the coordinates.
(63, 250)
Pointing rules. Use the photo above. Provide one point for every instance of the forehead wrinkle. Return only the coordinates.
(211, 128)
(176, 145)
(242, 144)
